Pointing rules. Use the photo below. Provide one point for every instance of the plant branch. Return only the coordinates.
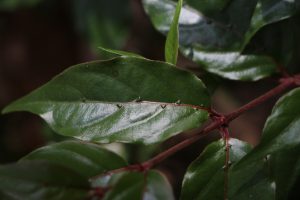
(285, 83)
(218, 120)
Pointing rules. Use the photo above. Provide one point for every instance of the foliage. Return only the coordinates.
(132, 99)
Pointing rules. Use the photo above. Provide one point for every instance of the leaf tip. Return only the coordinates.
(6, 110)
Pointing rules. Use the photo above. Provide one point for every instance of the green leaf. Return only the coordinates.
(102, 23)
(120, 53)
(35, 180)
(286, 49)
(215, 31)
(125, 99)
(134, 185)
(281, 130)
(171, 48)
(204, 178)
(84, 158)
(286, 172)
(270, 11)
(12, 5)
(233, 65)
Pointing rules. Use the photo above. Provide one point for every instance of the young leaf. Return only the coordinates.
(172, 43)
(204, 178)
(281, 130)
(84, 158)
(125, 99)
(139, 186)
(35, 180)
(120, 53)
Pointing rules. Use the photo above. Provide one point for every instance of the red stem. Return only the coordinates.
(285, 83)
(218, 122)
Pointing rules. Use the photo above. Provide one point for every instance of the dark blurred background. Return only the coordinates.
(41, 38)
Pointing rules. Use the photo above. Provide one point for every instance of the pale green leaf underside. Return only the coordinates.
(108, 101)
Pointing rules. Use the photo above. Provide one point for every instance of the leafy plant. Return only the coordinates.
(132, 99)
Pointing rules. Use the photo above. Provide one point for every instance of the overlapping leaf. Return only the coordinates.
(85, 158)
(234, 65)
(204, 178)
(68, 170)
(139, 186)
(125, 99)
(215, 34)
(41, 180)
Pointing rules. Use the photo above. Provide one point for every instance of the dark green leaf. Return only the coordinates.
(212, 32)
(15, 4)
(222, 32)
(120, 53)
(171, 48)
(234, 65)
(125, 99)
(35, 180)
(102, 22)
(205, 176)
(270, 11)
(135, 186)
(286, 172)
(286, 49)
(282, 128)
(84, 158)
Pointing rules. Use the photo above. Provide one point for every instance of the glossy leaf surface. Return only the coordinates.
(37, 180)
(233, 65)
(86, 159)
(125, 99)
(172, 41)
(271, 11)
(139, 186)
(204, 178)
(282, 128)
(218, 31)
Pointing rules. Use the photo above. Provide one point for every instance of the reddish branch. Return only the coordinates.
(219, 120)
